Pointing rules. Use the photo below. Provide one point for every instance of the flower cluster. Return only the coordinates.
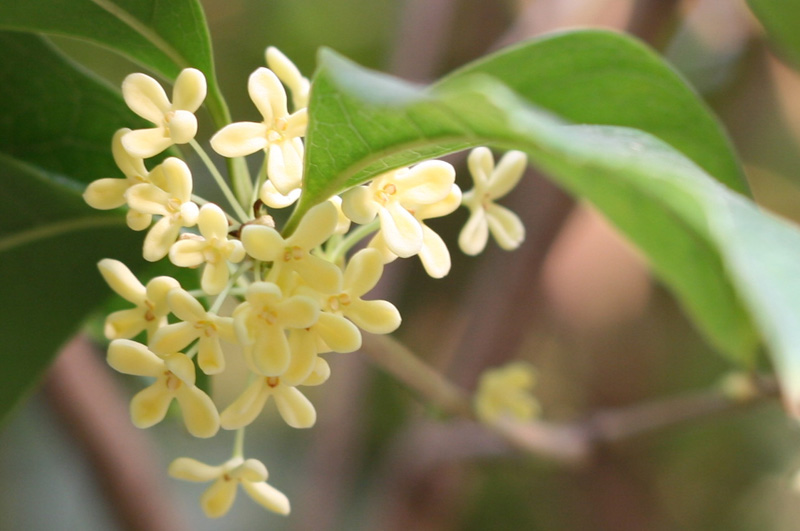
(297, 296)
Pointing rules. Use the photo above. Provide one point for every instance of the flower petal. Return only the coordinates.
(212, 222)
(218, 499)
(295, 409)
(401, 231)
(130, 357)
(473, 237)
(188, 253)
(375, 317)
(215, 278)
(199, 412)
(105, 194)
(481, 164)
(363, 272)
(189, 90)
(268, 95)
(189, 469)
(262, 242)
(145, 96)
(120, 279)
(338, 333)
(506, 227)
(246, 407)
(270, 352)
(315, 227)
(434, 254)
(240, 139)
(159, 239)
(507, 173)
(149, 406)
(359, 205)
(146, 143)
(425, 183)
(210, 358)
(173, 338)
(303, 344)
(267, 496)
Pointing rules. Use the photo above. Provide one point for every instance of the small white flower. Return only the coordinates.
(212, 247)
(175, 378)
(217, 500)
(279, 133)
(172, 200)
(393, 196)
(506, 392)
(492, 183)
(295, 409)
(175, 122)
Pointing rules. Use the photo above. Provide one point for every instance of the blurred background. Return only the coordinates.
(575, 300)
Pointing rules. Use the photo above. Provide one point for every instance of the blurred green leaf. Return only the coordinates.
(780, 18)
(364, 123)
(163, 35)
(55, 135)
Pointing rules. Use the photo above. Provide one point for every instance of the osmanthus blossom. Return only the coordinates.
(150, 303)
(109, 193)
(433, 253)
(261, 323)
(287, 72)
(294, 253)
(217, 500)
(175, 380)
(174, 121)
(491, 183)
(212, 247)
(393, 196)
(506, 392)
(361, 275)
(293, 406)
(195, 324)
(172, 201)
(279, 133)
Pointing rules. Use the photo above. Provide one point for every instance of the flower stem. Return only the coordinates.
(238, 443)
(243, 217)
(352, 239)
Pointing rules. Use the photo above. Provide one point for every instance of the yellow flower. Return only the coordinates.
(172, 201)
(506, 392)
(212, 247)
(261, 323)
(175, 122)
(150, 311)
(393, 196)
(279, 133)
(217, 500)
(175, 377)
(196, 324)
(492, 183)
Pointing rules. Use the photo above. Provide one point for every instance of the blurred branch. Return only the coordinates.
(570, 442)
(80, 389)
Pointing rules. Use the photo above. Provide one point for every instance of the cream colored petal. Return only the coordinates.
(401, 231)
(262, 243)
(434, 254)
(148, 198)
(315, 227)
(288, 73)
(425, 183)
(267, 93)
(189, 90)
(105, 194)
(303, 345)
(149, 406)
(342, 223)
(320, 374)
(225, 328)
(376, 317)
(212, 222)
(505, 226)
(359, 205)
(125, 324)
(131, 166)
(507, 174)
(173, 338)
(181, 126)
(130, 357)
(159, 239)
(145, 97)
(235, 250)
(188, 253)
(363, 272)
(481, 164)
(441, 208)
(271, 354)
(249, 470)
(240, 139)
(215, 278)
(181, 366)
(296, 126)
(284, 167)
(189, 469)
(120, 279)
(267, 496)
(210, 358)
(298, 311)
(146, 143)
(378, 243)
(199, 412)
(274, 199)
(295, 409)
(338, 333)
(218, 499)
(473, 237)
(246, 407)
(242, 316)
(157, 290)
(178, 179)
(138, 220)
(319, 274)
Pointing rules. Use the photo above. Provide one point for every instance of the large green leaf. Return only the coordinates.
(780, 18)
(364, 123)
(162, 35)
(55, 135)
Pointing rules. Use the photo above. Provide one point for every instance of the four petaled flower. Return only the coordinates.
(506, 392)
(492, 183)
(175, 122)
(217, 500)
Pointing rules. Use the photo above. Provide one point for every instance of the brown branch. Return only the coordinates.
(80, 389)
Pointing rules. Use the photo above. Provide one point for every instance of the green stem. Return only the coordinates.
(220, 180)
(244, 266)
(352, 239)
(238, 443)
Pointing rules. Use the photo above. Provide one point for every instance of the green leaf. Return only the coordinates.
(55, 136)
(780, 18)
(363, 123)
(163, 35)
